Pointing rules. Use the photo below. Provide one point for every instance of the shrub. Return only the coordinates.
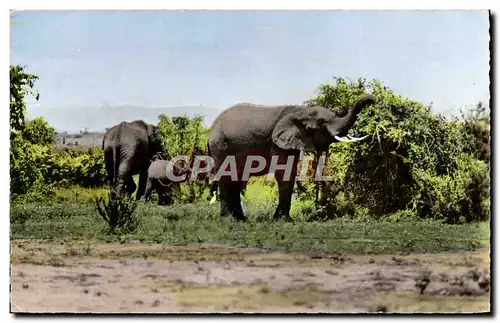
(462, 196)
(416, 160)
(26, 167)
(33, 167)
(118, 212)
(476, 132)
(75, 166)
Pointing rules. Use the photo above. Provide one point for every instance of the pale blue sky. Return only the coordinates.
(219, 58)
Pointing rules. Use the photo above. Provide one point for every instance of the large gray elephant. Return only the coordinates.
(129, 148)
(273, 131)
(160, 181)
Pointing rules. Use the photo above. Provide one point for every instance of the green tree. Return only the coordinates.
(21, 85)
(185, 136)
(182, 134)
(39, 132)
(24, 173)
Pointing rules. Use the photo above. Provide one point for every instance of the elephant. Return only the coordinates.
(281, 131)
(129, 148)
(159, 181)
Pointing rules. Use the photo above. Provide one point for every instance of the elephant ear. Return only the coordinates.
(155, 140)
(154, 133)
(293, 130)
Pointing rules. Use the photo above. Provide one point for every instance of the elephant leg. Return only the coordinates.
(130, 186)
(143, 178)
(167, 197)
(165, 194)
(124, 186)
(108, 155)
(164, 191)
(125, 182)
(285, 192)
(244, 188)
(230, 200)
(149, 189)
(161, 198)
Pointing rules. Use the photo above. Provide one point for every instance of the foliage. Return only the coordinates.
(195, 223)
(78, 166)
(39, 132)
(38, 166)
(21, 85)
(22, 176)
(185, 136)
(462, 196)
(118, 212)
(413, 152)
(25, 171)
(476, 132)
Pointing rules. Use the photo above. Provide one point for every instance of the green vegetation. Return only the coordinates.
(184, 136)
(422, 183)
(197, 223)
(418, 164)
(118, 213)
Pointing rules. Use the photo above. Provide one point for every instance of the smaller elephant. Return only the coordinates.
(159, 181)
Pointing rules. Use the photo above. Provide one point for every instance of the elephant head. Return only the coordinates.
(156, 145)
(315, 128)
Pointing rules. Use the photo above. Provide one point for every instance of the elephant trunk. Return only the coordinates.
(352, 115)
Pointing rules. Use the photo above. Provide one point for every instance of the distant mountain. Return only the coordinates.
(74, 119)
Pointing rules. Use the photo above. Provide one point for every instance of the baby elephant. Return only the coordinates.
(161, 183)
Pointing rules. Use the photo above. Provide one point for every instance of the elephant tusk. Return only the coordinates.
(350, 139)
(357, 139)
(344, 139)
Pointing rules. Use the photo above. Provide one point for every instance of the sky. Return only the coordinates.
(220, 58)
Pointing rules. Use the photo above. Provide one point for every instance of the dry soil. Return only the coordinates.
(137, 278)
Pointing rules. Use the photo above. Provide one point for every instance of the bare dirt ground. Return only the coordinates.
(138, 278)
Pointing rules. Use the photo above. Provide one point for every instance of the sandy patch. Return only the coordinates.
(134, 278)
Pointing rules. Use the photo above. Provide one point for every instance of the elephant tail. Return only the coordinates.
(116, 164)
(116, 157)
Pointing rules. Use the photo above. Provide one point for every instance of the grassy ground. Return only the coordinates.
(73, 217)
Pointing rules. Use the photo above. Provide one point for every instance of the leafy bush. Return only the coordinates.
(118, 212)
(36, 167)
(476, 132)
(462, 196)
(416, 160)
(76, 166)
(25, 171)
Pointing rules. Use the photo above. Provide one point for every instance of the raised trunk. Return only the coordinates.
(352, 115)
